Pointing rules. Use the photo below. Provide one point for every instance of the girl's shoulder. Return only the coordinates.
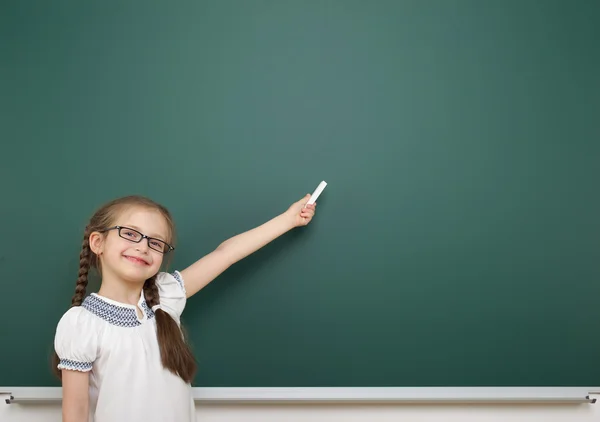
(172, 294)
(76, 339)
(171, 283)
(77, 317)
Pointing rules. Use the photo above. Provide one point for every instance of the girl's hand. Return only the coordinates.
(301, 214)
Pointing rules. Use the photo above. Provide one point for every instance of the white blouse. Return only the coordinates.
(121, 352)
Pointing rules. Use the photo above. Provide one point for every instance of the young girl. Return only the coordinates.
(121, 353)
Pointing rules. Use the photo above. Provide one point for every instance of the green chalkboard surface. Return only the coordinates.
(457, 242)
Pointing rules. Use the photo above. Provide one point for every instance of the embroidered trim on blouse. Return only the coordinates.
(149, 312)
(114, 314)
(179, 279)
(74, 365)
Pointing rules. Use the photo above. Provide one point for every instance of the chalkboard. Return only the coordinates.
(457, 242)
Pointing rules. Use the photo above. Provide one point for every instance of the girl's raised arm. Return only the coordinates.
(207, 268)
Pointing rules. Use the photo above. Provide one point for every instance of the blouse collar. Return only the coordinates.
(117, 313)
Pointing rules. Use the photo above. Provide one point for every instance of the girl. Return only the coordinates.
(121, 352)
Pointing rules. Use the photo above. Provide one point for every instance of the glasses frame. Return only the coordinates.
(143, 236)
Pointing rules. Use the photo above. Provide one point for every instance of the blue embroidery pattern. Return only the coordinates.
(122, 316)
(179, 279)
(147, 310)
(113, 314)
(75, 365)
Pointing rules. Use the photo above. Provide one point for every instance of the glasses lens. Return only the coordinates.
(158, 245)
(130, 234)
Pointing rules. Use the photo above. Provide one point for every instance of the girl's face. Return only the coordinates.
(121, 254)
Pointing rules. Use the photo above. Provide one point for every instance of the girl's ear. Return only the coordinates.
(96, 242)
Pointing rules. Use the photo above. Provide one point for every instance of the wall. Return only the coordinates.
(349, 413)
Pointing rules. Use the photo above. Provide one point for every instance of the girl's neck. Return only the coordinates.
(121, 291)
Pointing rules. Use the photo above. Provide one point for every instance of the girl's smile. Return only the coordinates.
(136, 260)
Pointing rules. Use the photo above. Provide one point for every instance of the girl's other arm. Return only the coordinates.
(206, 269)
(75, 404)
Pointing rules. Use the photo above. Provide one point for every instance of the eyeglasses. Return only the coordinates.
(136, 237)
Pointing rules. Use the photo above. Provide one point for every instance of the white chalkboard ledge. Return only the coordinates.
(399, 395)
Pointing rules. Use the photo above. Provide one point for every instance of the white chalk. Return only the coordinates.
(316, 193)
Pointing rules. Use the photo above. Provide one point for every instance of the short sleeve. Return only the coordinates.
(171, 290)
(76, 340)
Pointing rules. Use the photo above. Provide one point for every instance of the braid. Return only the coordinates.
(84, 268)
(151, 292)
(175, 353)
(82, 281)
